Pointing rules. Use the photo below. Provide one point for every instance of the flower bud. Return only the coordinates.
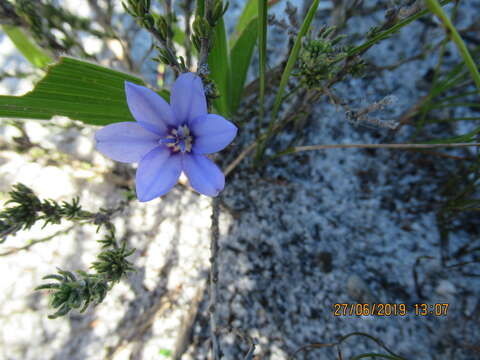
(196, 42)
(140, 9)
(201, 27)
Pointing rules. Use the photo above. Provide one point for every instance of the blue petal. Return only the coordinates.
(125, 141)
(188, 98)
(205, 177)
(148, 108)
(157, 173)
(211, 133)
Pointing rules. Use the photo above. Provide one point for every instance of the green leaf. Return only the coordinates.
(77, 89)
(437, 9)
(178, 35)
(286, 73)
(165, 352)
(262, 51)
(241, 56)
(200, 8)
(248, 14)
(35, 55)
(387, 33)
(468, 137)
(293, 58)
(218, 62)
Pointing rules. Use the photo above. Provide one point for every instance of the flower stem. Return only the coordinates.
(204, 43)
(187, 43)
(214, 248)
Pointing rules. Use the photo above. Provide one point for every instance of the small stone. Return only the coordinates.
(445, 289)
(324, 260)
(359, 291)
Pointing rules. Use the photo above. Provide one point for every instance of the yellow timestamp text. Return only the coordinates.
(389, 309)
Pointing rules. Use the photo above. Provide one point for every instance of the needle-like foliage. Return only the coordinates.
(70, 291)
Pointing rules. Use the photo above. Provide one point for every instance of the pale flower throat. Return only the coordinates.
(179, 139)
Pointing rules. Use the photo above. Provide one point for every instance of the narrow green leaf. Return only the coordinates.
(435, 7)
(248, 14)
(218, 63)
(468, 137)
(286, 73)
(34, 54)
(455, 104)
(432, 121)
(241, 56)
(165, 352)
(77, 89)
(293, 58)
(456, 75)
(200, 9)
(262, 48)
(459, 96)
(387, 33)
(178, 35)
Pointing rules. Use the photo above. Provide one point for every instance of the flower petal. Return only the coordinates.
(205, 177)
(211, 133)
(188, 98)
(157, 173)
(149, 108)
(125, 141)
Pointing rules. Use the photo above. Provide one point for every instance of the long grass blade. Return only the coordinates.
(262, 45)
(435, 7)
(36, 56)
(248, 14)
(287, 72)
(241, 56)
(468, 137)
(219, 65)
(293, 58)
(387, 33)
(200, 10)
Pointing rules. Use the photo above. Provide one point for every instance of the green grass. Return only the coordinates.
(29, 49)
(292, 58)
(436, 8)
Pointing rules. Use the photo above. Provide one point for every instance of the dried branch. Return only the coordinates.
(376, 146)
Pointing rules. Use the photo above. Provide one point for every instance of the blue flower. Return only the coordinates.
(168, 139)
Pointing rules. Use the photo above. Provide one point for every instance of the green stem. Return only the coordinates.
(435, 7)
(286, 74)
(262, 45)
(385, 34)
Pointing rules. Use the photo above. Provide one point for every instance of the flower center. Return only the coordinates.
(179, 139)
